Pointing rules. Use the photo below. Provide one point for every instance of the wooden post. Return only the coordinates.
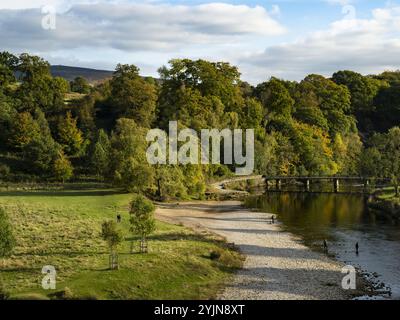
(336, 185)
(366, 184)
(307, 184)
(278, 184)
(143, 245)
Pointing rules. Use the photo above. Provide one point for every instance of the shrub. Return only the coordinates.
(215, 255)
(142, 219)
(4, 294)
(4, 170)
(7, 240)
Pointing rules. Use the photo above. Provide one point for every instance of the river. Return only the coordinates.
(342, 220)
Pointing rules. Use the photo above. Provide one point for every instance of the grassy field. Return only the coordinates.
(63, 229)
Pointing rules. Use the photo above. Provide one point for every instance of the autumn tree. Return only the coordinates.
(69, 136)
(24, 130)
(62, 168)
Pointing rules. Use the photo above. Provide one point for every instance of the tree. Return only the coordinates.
(113, 236)
(200, 94)
(80, 85)
(85, 113)
(275, 98)
(370, 162)
(134, 175)
(362, 89)
(69, 136)
(7, 240)
(313, 147)
(42, 150)
(334, 102)
(24, 130)
(393, 155)
(170, 182)
(132, 96)
(8, 63)
(7, 115)
(100, 158)
(62, 168)
(129, 164)
(387, 104)
(142, 219)
(38, 88)
(383, 156)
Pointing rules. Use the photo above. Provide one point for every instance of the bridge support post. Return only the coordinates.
(306, 183)
(336, 185)
(266, 184)
(278, 184)
(366, 184)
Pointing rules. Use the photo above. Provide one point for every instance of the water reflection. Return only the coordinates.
(343, 220)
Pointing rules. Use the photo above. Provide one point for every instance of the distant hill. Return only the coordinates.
(70, 73)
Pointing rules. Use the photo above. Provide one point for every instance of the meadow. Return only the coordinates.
(62, 229)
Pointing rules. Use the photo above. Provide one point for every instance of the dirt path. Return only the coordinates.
(277, 265)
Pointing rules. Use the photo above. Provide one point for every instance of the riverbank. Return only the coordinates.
(277, 266)
(62, 229)
(385, 202)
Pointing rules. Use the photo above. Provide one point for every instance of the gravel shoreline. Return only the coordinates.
(277, 266)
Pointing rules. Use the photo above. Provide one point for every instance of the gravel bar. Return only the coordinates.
(277, 265)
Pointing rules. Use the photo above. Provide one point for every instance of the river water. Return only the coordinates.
(342, 220)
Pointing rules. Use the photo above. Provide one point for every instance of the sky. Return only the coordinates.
(288, 39)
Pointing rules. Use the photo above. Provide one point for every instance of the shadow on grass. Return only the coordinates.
(61, 193)
(61, 253)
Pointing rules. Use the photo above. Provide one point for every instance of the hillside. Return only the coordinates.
(70, 73)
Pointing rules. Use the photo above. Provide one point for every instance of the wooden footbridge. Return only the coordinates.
(335, 180)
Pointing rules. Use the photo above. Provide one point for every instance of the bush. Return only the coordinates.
(4, 170)
(7, 240)
(65, 294)
(4, 294)
(215, 255)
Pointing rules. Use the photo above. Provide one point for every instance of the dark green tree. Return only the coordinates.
(132, 96)
(80, 85)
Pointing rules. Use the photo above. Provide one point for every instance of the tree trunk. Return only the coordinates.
(143, 245)
(132, 245)
(159, 188)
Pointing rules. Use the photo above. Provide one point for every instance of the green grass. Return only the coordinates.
(62, 229)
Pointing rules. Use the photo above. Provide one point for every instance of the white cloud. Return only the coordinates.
(364, 45)
(136, 26)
